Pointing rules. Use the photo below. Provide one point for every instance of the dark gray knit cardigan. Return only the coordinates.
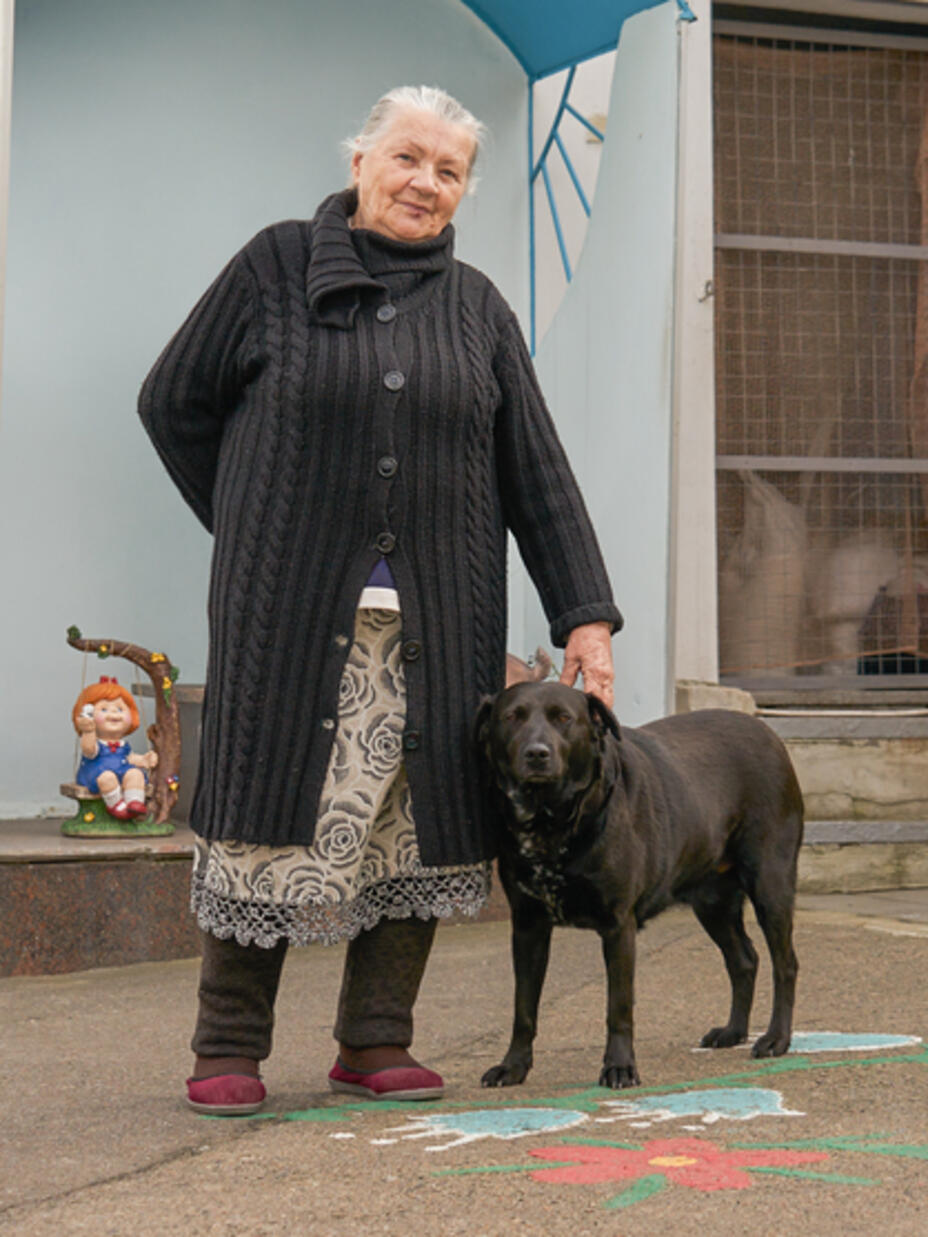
(333, 398)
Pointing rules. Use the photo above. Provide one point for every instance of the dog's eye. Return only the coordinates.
(562, 718)
(513, 715)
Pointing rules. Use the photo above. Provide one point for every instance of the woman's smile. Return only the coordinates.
(410, 183)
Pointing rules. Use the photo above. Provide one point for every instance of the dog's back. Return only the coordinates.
(731, 764)
(722, 795)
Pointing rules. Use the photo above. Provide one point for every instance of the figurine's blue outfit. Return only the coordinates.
(112, 757)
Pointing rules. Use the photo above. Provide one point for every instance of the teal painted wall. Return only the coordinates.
(605, 363)
(150, 140)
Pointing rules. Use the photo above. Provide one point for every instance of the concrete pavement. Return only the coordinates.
(94, 1137)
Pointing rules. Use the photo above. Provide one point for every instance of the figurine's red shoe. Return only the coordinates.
(120, 810)
(136, 807)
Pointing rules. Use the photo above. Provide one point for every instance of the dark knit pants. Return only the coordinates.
(383, 971)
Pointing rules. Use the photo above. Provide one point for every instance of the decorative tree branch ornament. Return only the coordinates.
(163, 735)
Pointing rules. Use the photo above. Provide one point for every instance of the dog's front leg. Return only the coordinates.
(619, 953)
(531, 945)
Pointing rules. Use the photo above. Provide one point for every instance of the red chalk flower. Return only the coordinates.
(688, 1162)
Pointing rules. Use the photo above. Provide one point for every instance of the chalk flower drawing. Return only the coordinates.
(689, 1162)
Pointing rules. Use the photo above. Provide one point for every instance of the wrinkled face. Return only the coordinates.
(543, 745)
(112, 719)
(409, 185)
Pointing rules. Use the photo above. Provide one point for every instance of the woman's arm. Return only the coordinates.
(548, 517)
(196, 383)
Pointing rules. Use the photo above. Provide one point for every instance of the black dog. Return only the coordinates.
(602, 828)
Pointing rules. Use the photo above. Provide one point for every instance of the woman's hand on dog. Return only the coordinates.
(589, 652)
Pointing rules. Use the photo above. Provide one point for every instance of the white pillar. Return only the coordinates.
(693, 604)
(6, 103)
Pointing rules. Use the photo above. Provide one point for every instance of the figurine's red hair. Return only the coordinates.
(106, 689)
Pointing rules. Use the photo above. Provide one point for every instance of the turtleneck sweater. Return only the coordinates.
(336, 398)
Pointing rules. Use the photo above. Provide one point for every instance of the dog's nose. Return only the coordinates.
(537, 755)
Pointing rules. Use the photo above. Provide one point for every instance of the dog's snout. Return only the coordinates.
(537, 755)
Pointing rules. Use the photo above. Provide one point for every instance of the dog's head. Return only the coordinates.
(543, 746)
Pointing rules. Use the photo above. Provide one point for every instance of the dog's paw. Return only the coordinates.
(618, 1076)
(770, 1045)
(722, 1037)
(505, 1075)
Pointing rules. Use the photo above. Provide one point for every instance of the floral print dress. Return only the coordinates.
(363, 864)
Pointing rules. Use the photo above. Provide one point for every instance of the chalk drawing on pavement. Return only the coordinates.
(835, 1041)
(640, 1169)
(644, 1169)
(841, 1041)
(504, 1123)
(709, 1105)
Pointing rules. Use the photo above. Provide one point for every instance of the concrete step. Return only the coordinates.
(863, 769)
(851, 856)
(857, 763)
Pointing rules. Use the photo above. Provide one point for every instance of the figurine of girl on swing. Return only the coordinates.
(103, 714)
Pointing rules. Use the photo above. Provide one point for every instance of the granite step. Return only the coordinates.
(69, 904)
(73, 903)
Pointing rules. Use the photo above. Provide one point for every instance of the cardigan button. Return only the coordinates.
(412, 740)
(385, 542)
(411, 649)
(393, 380)
(386, 313)
(328, 723)
(341, 641)
(387, 466)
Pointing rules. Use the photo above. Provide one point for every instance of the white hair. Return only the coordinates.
(426, 99)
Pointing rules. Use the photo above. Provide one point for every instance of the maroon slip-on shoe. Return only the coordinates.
(226, 1095)
(397, 1082)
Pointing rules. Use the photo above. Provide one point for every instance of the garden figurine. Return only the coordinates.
(103, 715)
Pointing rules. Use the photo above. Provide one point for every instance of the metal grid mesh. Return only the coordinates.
(817, 141)
(824, 567)
(814, 354)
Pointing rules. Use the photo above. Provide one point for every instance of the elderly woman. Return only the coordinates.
(353, 414)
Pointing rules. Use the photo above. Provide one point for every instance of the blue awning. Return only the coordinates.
(547, 35)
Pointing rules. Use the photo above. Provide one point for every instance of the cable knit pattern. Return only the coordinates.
(483, 510)
(256, 570)
(336, 396)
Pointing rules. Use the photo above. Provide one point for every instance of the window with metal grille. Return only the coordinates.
(821, 219)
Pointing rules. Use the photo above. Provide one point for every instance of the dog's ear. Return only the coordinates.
(481, 730)
(603, 719)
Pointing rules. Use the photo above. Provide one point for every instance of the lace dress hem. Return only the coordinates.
(462, 891)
